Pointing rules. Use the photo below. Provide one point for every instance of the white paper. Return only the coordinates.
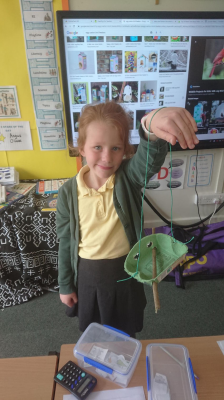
(37, 16)
(40, 53)
(49, 123)
(15, 136)
(7, 175)
(49, 105)
(136, 393)
(160, 387)
(98, 352)
(22, 188)
(37, 34)
(221, 345)
(46, 89)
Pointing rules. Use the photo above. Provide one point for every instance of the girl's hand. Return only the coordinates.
(172, 124)
(69, 299)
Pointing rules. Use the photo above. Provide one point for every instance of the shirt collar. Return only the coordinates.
(84, 190)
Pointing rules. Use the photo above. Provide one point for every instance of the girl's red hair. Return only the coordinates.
(111, 113)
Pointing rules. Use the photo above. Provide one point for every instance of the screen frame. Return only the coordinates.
(61, 15)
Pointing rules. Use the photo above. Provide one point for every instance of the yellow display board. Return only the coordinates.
(14, 72)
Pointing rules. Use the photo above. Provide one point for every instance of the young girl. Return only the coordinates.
(98, 212)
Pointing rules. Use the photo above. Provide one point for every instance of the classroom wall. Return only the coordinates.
(147, 5)
(184, 209)
(55, 164)
(14, 72)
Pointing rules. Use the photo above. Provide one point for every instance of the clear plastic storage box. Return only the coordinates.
(108, 352)
(170, 374)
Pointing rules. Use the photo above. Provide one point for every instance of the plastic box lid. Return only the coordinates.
(172, 362)
(109, 348)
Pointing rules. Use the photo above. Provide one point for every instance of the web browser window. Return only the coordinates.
(144, 64)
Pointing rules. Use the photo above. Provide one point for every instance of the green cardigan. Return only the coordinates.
(129, 179)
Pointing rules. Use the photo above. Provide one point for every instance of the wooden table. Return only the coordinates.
(206, 357)
(28, 378)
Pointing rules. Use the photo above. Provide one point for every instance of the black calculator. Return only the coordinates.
(75, 380)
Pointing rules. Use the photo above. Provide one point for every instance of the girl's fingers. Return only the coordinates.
(171, 131)
(174, 124)
(170, 138)
(181, 129)
(186, 134)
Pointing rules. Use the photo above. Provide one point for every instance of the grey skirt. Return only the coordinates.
(104, 300)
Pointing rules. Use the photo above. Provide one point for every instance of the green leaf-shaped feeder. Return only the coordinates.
(169, 254)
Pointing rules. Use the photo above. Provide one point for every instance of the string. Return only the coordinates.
(145, 183)
(171, 194)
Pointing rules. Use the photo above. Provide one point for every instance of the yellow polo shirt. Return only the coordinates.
(102, 235)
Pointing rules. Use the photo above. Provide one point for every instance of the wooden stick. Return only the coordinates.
(154, 274)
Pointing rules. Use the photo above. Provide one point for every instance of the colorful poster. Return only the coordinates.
(200, 170)
(9, 105)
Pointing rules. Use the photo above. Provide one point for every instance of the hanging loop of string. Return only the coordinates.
(145, 183)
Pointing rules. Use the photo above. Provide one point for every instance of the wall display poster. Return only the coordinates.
(9, 105)
(200, 169)
(168, 177)
(39, 35)
(15, 136)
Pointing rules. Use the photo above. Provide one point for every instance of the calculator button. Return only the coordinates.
(79, 378)
(59, 376)
(72, 386)
(83, 374)
(76, 382)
